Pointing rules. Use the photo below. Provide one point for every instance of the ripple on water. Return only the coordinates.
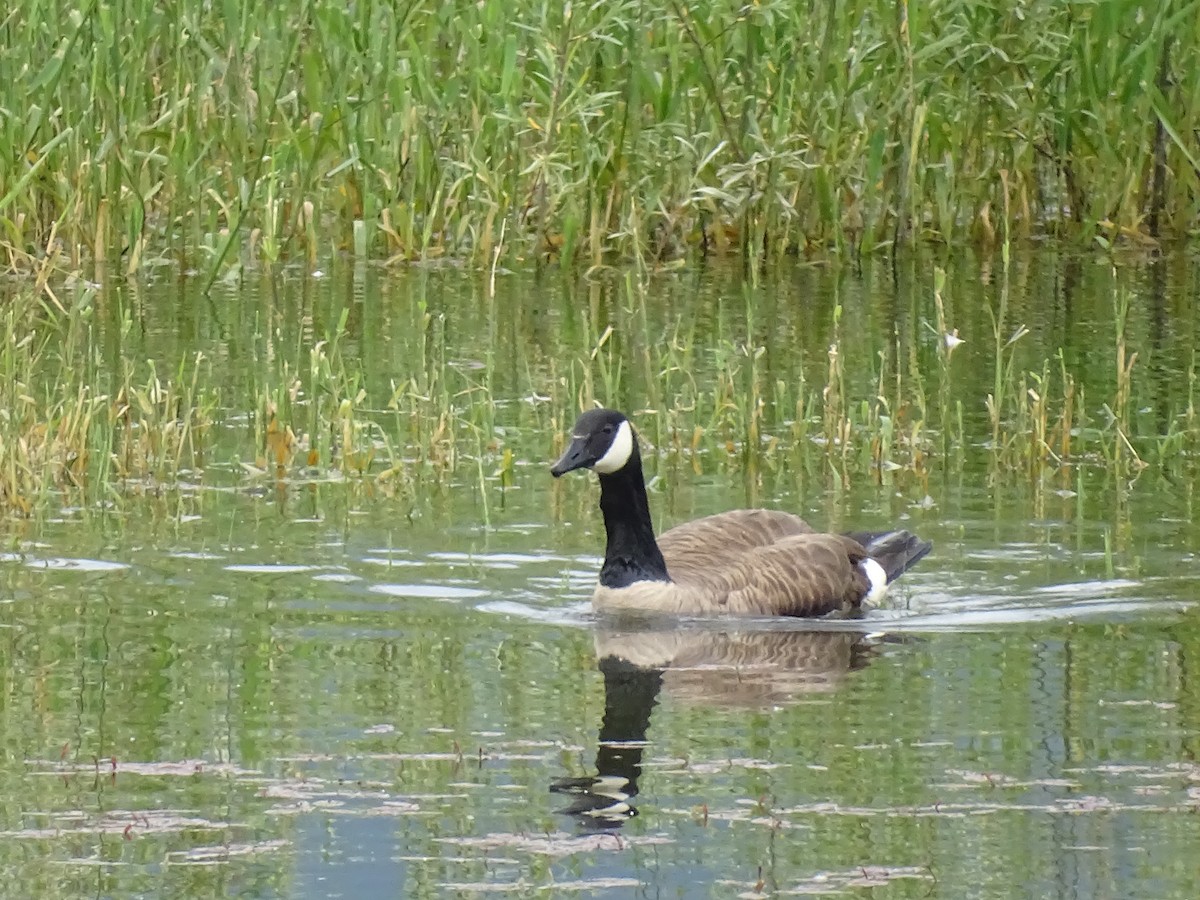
(392, 563)
(269, 568)
(63, 563)
(218, 853)
(428, 591)
(576, 614)
(496, 560)
(568, 578)
(950, 610)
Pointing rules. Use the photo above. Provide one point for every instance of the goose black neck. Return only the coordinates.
(632, 553)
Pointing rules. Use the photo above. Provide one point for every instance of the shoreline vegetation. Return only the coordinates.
(217, 135)
(85, 423)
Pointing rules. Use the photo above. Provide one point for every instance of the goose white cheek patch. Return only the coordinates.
(618, 452)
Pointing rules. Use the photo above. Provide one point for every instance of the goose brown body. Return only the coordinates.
(750, 562)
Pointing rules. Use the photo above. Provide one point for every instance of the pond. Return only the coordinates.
(310, 683)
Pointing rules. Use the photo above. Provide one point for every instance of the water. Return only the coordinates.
(324, 688)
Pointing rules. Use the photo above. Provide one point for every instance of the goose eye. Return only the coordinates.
(608, 429)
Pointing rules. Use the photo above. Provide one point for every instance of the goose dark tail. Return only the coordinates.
(896, 551)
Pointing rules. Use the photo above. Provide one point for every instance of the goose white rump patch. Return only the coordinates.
(618, 452)
(877, 579)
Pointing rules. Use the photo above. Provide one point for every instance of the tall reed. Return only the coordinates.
(221, 133)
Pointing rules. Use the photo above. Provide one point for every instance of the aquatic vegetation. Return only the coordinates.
(477, 393)
(221, 135)
(65, 428)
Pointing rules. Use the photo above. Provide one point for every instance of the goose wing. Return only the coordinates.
(798, 575)
(714, 543)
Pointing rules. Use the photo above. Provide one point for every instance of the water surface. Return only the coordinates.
(322, 687)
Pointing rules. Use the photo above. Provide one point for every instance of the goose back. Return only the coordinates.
(721, 540)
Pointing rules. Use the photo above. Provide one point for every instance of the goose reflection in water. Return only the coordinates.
(734, 669)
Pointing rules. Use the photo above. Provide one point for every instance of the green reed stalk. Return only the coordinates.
(213, 133)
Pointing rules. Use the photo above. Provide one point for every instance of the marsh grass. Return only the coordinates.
(82, 426)
(61, 434)
(221, 134)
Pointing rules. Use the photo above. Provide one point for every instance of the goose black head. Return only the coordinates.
(602, 440)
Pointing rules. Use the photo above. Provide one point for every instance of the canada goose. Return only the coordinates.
(745, 562)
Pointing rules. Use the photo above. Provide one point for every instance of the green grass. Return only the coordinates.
(220, 134)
